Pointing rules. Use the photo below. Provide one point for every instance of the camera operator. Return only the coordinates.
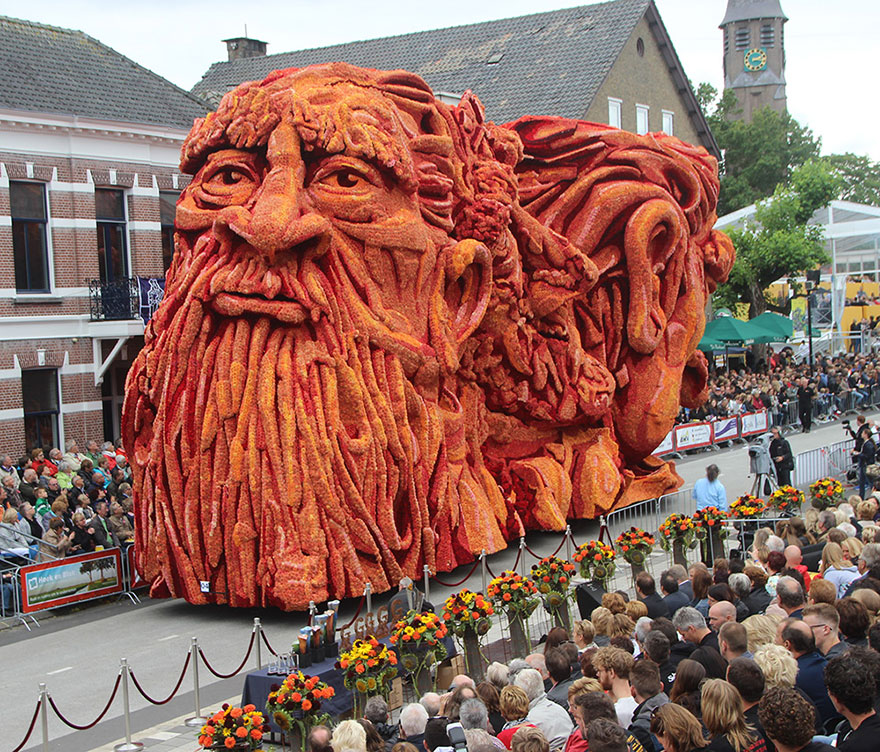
(866, 455)
(783, 460)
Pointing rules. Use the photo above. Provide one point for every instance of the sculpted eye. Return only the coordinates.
(226, 184)
(348, 175)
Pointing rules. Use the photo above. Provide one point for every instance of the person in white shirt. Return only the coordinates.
(612, 667)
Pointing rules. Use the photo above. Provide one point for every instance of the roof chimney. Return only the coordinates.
(241, 47)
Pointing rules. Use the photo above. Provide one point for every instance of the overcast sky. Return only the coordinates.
(830, 66)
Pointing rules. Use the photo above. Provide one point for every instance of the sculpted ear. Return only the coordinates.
(467, 287)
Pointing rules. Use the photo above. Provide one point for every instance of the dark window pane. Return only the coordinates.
(167, 247)
(19, 247)
(29, 251)
(109, 204)
(28, 200)
(168, 206)
(39, 390)
(112, 259)
(41, 430)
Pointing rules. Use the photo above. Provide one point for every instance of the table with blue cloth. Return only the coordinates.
(257, 684)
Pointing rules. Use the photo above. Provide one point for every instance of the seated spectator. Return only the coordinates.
(835, 570)
(678, 648)
(822, 591)
(854, 621)
(746, 678)
(614, 602)
(528, 739)
(673, 597)
(797, 638)
(376, 712)
(350, 735)
(600, 618)
(559, 668)
(515, 709)
(758, 599)
(86, 469)
(725, 721)
(11, 539)
(869, 557)
(491, 698)
(646, 592)
(733, 639)
(29, 484)
(852, 690)
(790, 595)
(412, 722)
(102, 534)
(824, 620)
(120, 527)
(590, 707)
(73, 457)
(686, 688)
(656, 647)
(583, 634)
(677, 729)
(606, 736)
(701, 581)
(870, 599)
(794, 560)
(720, 613)
(553, 721)
(647, 689)
(95, 489)
(83, 540)
(29, 523)
(8, 469)
(778, 666)
(636, 610)
(613, 666)
(56, 542)
(375, 742)
(692, 628)
(497, 674)
(788, 721)
(10, 489)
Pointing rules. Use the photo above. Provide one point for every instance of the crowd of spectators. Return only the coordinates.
(837, 384)
(773, 649)
(57, 504)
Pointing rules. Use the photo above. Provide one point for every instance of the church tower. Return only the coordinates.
(754, 54)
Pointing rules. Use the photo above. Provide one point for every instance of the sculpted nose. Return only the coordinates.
(281, 217)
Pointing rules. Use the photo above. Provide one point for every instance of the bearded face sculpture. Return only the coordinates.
(395, 335)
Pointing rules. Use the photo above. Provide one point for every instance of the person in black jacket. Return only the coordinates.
(780, 453)
(867, 455)
(646, 589)
(805, 393)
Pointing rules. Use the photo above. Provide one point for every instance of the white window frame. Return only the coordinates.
(668, 116)
(643, 109)
(50, 252)
(615, 108)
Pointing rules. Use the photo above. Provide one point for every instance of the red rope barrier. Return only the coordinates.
(27, 734)
(356, 614)
(518, 557)
(266, 643)
(139, 688)
(240, 667)
(100, 715)
(538, 556)
(491, 573)
(461, 581)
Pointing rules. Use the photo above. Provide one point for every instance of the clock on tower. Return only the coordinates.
(755, 60)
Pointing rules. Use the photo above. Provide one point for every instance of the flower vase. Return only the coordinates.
(713, 547)
(637, 568)
(295, 737)
(518, 640)
(473, 656)
(679, 553)
(562, 616)
(423, 680)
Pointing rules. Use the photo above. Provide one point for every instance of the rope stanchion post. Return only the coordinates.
(128, 745)
(427, 575)
(483, 566)
(258, 634)
(522, 558)
(198, 719)
(44, 716)
(568, 542)
(368, 594)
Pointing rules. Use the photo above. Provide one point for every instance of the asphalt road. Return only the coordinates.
(77, 654)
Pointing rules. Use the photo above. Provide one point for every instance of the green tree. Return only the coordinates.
(87, 567)
(759, 155)
(859, 177)
(779, 242)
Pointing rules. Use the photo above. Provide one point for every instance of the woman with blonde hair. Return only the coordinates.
(677, 729)
(852, 549)
(635, 610)
(778, 666)
(514, 704)
(760, 630)
(724, 718)
(620, 625)
(836, 569)
(600, 617)
(349, 735)
(614, 603)
(583, 634)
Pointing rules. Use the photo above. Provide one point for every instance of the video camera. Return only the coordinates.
(455, 732)
(760, 462)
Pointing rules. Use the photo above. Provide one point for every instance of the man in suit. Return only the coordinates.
(673, 597)
(646, 590)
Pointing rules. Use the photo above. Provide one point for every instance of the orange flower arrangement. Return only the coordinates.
(513, 593)
(369, 666)
(635, 544)
(710, 519)
(297, 701)
(596, 560)
(467, 610)
(233, 726)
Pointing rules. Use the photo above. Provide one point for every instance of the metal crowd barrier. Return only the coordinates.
(824, 462)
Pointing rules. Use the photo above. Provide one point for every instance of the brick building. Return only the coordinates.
(89, 148)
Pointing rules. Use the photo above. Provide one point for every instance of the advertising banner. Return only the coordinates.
(725, 429)
(754, 423)
(666, 446)
(77, 578)
(693, 435)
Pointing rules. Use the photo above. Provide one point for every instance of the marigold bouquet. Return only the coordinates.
(513, 593)
(786, 499)
(676, 527)
(747, 507)
(635, 544)
(369, 666)
(826, 492)
(419, 632)
(234, 726)
(468, 610)
(297, 702)
(710, 519)
(552, 574)
(596, 560)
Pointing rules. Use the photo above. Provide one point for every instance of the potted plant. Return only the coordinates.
(826, 492)
(369, 667)
(234, 728)
(596, 561)
(786, 500)
(517, 597)
(467, 615)
(677, 535)
(635, 545)
(552, 577)
(295, 706)
(709, 525)
(418, 637)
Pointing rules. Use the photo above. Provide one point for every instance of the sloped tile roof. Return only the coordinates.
(49, 69)
(549, 63)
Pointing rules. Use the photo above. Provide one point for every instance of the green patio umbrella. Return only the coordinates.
(730, 330)
(775, 323)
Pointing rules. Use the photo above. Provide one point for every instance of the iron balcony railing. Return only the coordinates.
(114, 301)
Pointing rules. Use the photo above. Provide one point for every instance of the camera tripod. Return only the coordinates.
(762, 480)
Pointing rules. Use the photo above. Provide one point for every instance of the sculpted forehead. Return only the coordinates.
(330, 116)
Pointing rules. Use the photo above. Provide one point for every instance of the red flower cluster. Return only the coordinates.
(233, 725)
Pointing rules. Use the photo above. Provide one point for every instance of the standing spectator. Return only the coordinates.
(673, 597)
(709, 491)
(692, 627)
(824, 621)
(724, 720)
(797, 638)
(612, 667)
(677, 729)
(646, 590)
(852, 689)
(854, 621)
(783, 460)
(867, 455)
(746, 678)
(805, 394)
(788, 721)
